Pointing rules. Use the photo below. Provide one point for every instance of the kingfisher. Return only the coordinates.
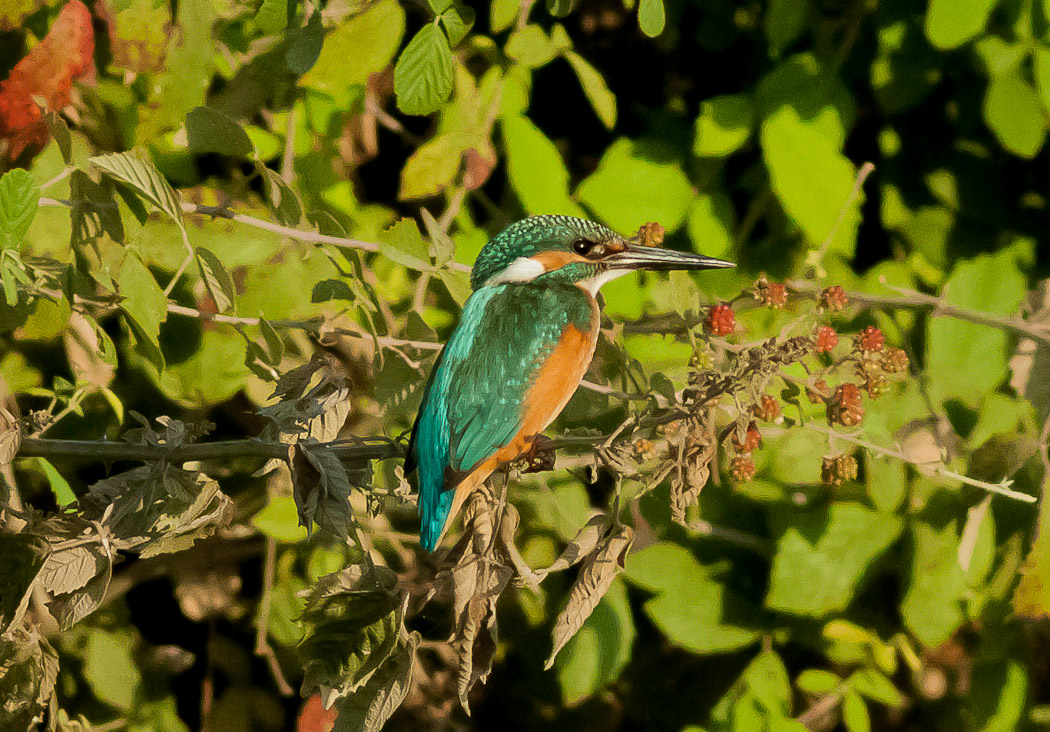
(523, 342)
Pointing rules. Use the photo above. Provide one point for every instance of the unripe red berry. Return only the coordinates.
(826, 338)
(721, 320)
(869, 340)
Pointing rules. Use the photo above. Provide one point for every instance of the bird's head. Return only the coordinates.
(568, 249)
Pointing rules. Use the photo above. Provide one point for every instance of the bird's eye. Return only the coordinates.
(582, 247)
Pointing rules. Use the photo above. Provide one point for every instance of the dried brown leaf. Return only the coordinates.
(10, 437)
(71, 568)
(71, 608)
(581, 545)
(596, 575)
(694, 464)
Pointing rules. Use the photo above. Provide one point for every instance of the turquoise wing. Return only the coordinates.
(473, 403)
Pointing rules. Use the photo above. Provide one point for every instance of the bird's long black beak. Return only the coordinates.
(652, 258)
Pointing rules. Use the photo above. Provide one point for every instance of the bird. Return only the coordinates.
(524, 340)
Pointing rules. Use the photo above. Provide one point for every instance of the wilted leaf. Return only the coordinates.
(95, 211)
(10, 436)
(356, 620)
(28, 671)
(581, 545)
(70, 609)
(70, 569)
(368, 709)
(323, 494)
(596, 574)
(696, 452)
(21, 558)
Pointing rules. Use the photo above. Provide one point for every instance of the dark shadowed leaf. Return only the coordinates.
(211, 131)
(368, 709)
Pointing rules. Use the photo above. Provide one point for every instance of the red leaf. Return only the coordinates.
(48, 71)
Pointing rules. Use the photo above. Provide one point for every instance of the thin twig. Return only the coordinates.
(914, 300)
(817, 258)
(1002, 487)
(262, 643)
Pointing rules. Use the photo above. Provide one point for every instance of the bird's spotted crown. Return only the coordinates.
(532, 235)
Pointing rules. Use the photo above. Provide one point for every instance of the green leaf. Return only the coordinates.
(531, 46)
(822, 555)
(783, 23)
(143, 301)
(998, 696)
(724, 125)
(189, 66)
(1013, 111)
(602, 100)
(817, 94)
(110, 669)
(405, 245)
(629, 189)
(811, 179)
(135, 169)
(370, 38)
(458, 19)
(932, 605)
(817, 681)
(951, 23)
(502, 14)
(875, 686)
(561, 8)
(280, 520)
(59, 485)
(966, 360)
(535, 168)
(689, 606)
(216, 279)
(442, 248)
(285, 201)
(423, 73)
(760, 699)
(711, 222)
(855, 713)
(18, 203)
(651, 17)
(211, 131)
(306, 44)
(431, 168)
(272, 16)
(274, 342)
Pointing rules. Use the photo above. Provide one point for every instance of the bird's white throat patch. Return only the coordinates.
(593, 284)
(522, 269)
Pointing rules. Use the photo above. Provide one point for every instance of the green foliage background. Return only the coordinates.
(741, 127)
